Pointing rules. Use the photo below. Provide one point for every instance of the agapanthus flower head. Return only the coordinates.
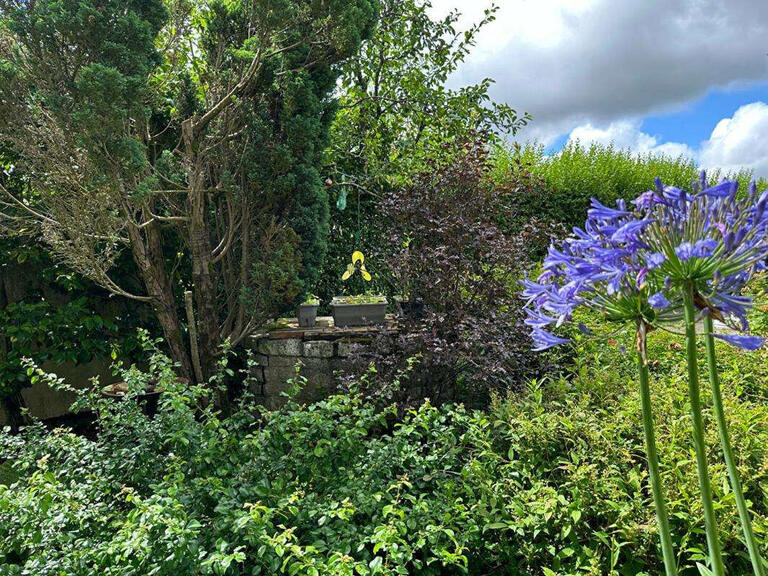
(627, 262)
(713, 239)
(603, 266)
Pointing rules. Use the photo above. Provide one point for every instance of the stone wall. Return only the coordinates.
(44, 402)
(322, 351)
(25, 282)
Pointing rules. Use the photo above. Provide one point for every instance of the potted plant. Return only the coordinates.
(307, 311)
(361, 310)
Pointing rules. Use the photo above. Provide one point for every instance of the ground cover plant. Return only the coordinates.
(550, 481)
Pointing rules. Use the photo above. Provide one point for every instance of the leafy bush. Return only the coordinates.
(548, 482)
(445, 251)
(565, 182)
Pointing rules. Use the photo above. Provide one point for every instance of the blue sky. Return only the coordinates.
(695, 121)
(661, 76)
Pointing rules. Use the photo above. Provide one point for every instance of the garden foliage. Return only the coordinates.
(567, 181)
(446, 254)
(188, 134)
(398, 117)
(550, 481)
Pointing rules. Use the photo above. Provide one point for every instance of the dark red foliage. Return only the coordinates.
(446, 248)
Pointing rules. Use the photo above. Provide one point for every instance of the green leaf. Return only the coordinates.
(496, 526)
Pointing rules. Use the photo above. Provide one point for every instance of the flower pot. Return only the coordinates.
(307, 315)
(358, 313)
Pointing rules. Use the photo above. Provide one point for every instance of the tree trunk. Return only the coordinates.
(204, 290)
(13, 402)
(13, 405)
(200, 246)
(148, 256)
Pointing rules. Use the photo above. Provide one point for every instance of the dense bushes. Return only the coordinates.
(548, 482)
(566, 181)
(445, 252)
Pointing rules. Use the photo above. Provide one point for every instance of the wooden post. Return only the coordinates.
(193, 336)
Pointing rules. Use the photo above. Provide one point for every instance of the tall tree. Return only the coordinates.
(398, 111)
(399, 116)
(188, 132)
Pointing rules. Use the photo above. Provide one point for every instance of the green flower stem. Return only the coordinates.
(710, 524)
(725, 442)
(670, 565)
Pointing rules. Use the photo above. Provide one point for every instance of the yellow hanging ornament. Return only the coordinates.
(357, 257)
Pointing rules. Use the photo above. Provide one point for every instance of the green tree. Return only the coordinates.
(189, 132)
(397, 112)
(397, 117)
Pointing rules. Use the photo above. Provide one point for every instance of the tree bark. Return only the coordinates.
(148, 255)
(13, 402)
(13, 405)
(201, 252)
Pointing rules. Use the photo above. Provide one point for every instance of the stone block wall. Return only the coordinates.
(322, 351)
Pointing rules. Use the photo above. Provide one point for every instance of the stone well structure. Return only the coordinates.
(323, 350)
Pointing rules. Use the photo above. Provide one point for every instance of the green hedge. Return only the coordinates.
(569, 179)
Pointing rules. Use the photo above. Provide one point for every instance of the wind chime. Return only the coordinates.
(358, 258)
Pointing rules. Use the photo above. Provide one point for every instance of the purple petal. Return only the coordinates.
(742, 341)
(648, 199)
(543, 340)
(654, 260)
(538, 320)
(704, 248)
(659, 301)
(722, 190)
(629, 230)
(601, 212)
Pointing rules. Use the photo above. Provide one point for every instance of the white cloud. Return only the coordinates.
(574, 62)
(735, 143)
(740, 141)
(627, 134)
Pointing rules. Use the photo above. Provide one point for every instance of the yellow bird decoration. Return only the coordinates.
(357, 257)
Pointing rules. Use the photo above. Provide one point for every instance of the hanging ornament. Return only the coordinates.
(352, 267)
(341, 201)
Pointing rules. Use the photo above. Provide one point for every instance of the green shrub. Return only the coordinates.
(570, 178)
(548, 482)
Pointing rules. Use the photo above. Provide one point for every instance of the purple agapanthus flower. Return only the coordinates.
(625, 262)
(712, 238)
(654, 260)
(745, 341)
(603, 266)
(659, 301)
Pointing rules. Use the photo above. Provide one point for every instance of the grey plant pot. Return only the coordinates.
(307, 315)
(358, 314)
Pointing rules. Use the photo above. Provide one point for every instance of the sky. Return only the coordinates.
(670, 76)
